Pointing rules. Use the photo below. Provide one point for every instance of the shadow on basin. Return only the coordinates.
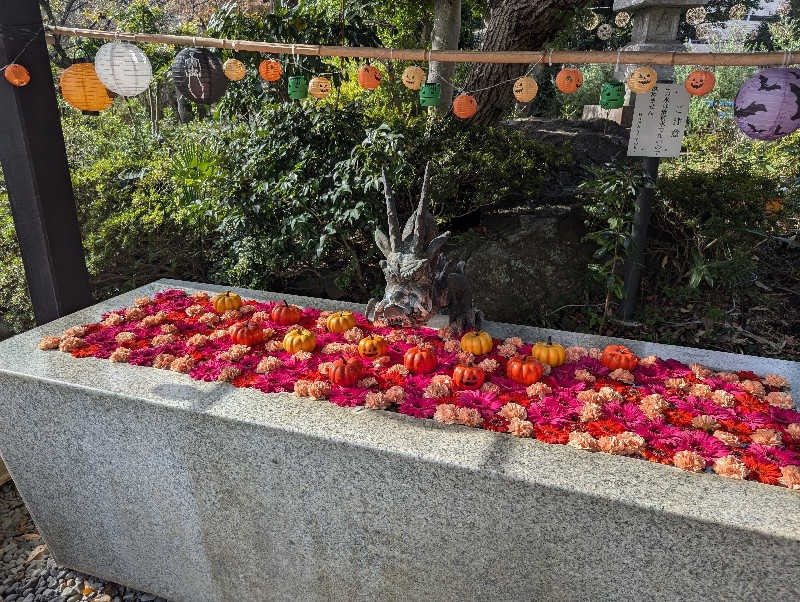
(201, 398)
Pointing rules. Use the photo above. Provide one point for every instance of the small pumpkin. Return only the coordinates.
(225, 301)
(477, 342)
(642, 79)
(285, 314)
(618, 356)
(524, 369)
(549, 352)
(340, 321)
(246, 333)
(420, 360)
(369, 77)
(569, 80)
(700, 82)
(468, 376)
(299, 339)
(346, 372)
(372, 346)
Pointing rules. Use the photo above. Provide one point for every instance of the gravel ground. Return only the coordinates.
(29, 574)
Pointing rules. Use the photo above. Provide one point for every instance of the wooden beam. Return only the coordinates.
(35, 167)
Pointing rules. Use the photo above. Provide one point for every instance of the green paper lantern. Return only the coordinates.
(298, 87)
(612, 95)
(430, 95)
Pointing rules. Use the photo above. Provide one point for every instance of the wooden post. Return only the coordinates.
(35, 167)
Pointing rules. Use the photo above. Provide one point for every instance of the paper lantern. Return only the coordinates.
(525, 89)
(17, 75)
(590, 20)
(642, 80)
(704, 30)
(234, 69)
(696, 15)
(465, 106)
(413, 77)
(198, 75)
(737, 12)
(622, 19)
(612, 95)
(605, 31)
(569, 80)
(298, 87)
(82, 89)
(123, 68)
(430, 95)
(319, 87)
(369, 77)
(700, 82)
(767, 106)
(270, 70)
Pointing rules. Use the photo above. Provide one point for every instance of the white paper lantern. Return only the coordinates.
(604, 31)
(696, 15)
(123, 68)
(622, 19)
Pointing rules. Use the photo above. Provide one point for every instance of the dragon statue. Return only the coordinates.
(419, 279)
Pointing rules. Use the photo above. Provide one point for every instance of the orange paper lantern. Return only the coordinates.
(17, 75)
(82, 89)
(270, 70)
(369, 77)
(700, 82)
(464, 106)
(569, 80)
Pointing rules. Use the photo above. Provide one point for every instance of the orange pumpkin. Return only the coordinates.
(17, 75)
(346, 372)
(245, 333)
(225, 301)
(340, 321)
(700, 82)
(549, 352)
(569, 80)
(618, 356)
(524, 370)
(372, 346)
(369, 77)
(465, 106)
(270, 70)
(468, 376)
(477, 342)
(420, 360)
(285, 314)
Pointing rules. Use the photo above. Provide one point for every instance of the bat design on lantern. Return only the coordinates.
(763, 79)
(419, 278)
(750, 109)
(796, 91)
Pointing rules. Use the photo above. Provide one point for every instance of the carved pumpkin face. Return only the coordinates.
(298, 87)
(319, 87)
(525, 89)
(642, 80)
(371, 347)
(569, 80)
(700, 82)
(369, 77)
(413, 77)
(464, 106)
(468, 376)
(612, 95)
(430, 94)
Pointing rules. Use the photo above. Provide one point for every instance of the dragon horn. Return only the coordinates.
(391, 213)
(419, 226)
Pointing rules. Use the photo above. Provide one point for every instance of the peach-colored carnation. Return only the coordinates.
(68, 344)
(700, 371)
(260, 316)
(120, 355)
(584, 376)
(446, 412)
(142, 301)
(228, 374)
(125, 337)
(465, 357)
(776, 381)
(231, 314)
(354, 335)
(154, 320)
(163, 361)
(268, 364)
(234, 353)
(676, 383)
(731, 467)
(332, 349)
(626, 443)
(546, 369)
(395, 336)
(520, 428)
(381, 362)
(162, 339)
(246, 310)
(302, 356)
(489, 365)
(573, 354)
(589, 396)
(653, 406)
(377, 401)
(220, 333)
(169, 328)
(399, 369)
(766, 437)
(268, 333)
(722, 398)
(446, 333)
(209, 319)
(622, 375)
(469, 417)
(648, 360)
(608, 394)
(368, 382)
(700, 390)
(394, 394)
(451, 346)
(75, 331)
(489, 387)
(595, 353)
(591, 411)
(414, 339)
(793, 430)
(319, 389)
(727, 438)
(513, 341)
(727, 377)
(581, 440)
(273, 346)
(513, 410)
(201, 296)
(183, 364)
(48, 343)
(301, 387)
(443, 379)
(705, 423)
(753, 387)
(113, 320)
(197, 340)
(538, 390)
(133, 314)
(790, 477)
(779, 399)
(689, 460)
(436, 391)
(506, 350)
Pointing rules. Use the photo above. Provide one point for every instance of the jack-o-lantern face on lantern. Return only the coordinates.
(700, 82)
(413, 77)
(298, 87)
(525, 89)
(569, 80)
(642, 80)
(319, 87)
(612, 95)
(430, 95)
(369, 77)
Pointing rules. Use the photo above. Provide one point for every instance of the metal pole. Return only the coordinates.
(35, 168)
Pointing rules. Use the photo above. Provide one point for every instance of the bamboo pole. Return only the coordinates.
(706, 59)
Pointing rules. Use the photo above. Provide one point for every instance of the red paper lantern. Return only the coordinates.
(465, 106)
(17, 75)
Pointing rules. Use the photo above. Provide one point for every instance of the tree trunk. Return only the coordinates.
(446, 32)
(513, 25)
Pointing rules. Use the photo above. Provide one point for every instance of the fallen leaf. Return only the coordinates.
(36, 552)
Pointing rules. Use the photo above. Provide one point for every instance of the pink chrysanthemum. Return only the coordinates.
(513, 341)
(162, 339)
(776, 381)
(583, 440)
(790, 477)
(700, 390)
(622, 376)
(779, 399)
(183, 364)
(209, 319)
(451, 346)
(268, 364)
(163, 361)
(731, 467)
(75, 331)
(506, 350)
(520, 428)
(722, 398)
(319, 389)
(728, 439)
(301, 388)
(689, 461)
(753, 387)
(624, 444)
(394, 394)
(584, 376)
(48, 343)
(120, 355)
(591, 411)
(469, 417)
(513, 410)
(113, 320)
(68, 344)
(766, 437)
(649, 360)
(377, 401)
(354, 335)
(446, 412)
(446, 333)
(793, 430)
(573, 354)
(538, 390)
(489, 365)
(228, 374)
(705, 423)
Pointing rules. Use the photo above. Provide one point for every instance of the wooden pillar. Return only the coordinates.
(35, 168)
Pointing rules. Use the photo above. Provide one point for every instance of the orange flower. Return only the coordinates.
(766, 473)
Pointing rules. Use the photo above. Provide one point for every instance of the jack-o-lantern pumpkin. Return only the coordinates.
(524, 369)
(340, 321)
(430, 94)
(525, 89)
(285, 314)
(346, 372)
(465, 106)
(246, 333)
(618, 356)
(550, 353)
(413, 77)
(372, 346)
(642, 79)
(700, 82)
(270, 70)
(369, 77)
(420, 360)
(299, 339)
(612, 94)
(569, 80)
(319, 87)
(468, 376)
(477, 342)
(225, 301)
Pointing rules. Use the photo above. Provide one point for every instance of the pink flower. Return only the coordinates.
(779, 399)
(766, 437)
(622, 376)
(513, 341)
(469, 417)
(75, 331)
(228, 374)
(727, 377)
(489, 387)
(301, 388)
(790, 477)
(722, 398)
(704, 444)
(573, 354)
(200, 296)
(548, 411)
(700, 371)
(197, 340)
(653, 406)
(486, 403)
(162, 339)
(539, 389)
(48, 343)
(133, 314)
(436, 390)
(776, 381)
(700, 390)
(513, 410)
(589, 396)
(163, 361)
(209, 319)
(489, 365)
(608, 394)
(319, 389)
(793, 430)
(234, 353)
(731, 467)
(377, 401)
(394, 394)
(624, 444)
(465, 357)
(446, 333)
(120, 355)
(418, 407)
(452, 346)
(595, 353)
(520, 428)
(183, 364)
(68, 344)
(705, 423)
(354, 335)
(268, 364)
(728, 439)
(142, 301)
(113, 320)
(506, 350)
(676, 383)
(771, 454)
(584, 376)
(689, 460)
(399, 369)
(447, 413)
(583, 440)
(591, 411)
(753, 387)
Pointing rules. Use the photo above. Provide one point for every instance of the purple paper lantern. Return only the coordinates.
(767, 106)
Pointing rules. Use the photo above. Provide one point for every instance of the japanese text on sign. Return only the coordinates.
(659, 120)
